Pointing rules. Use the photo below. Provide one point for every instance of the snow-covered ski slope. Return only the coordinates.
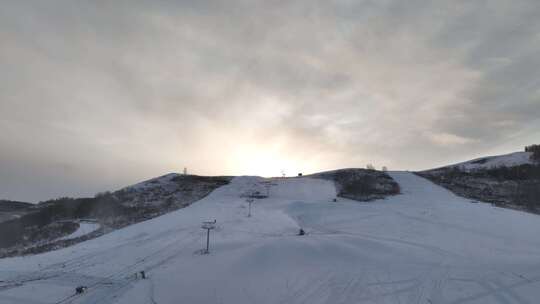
(424, 246)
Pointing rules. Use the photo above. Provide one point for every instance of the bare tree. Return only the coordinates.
(535, 150)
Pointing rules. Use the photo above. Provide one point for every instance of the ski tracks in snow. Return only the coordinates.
(425, 246)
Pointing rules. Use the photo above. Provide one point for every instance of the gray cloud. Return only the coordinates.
(97, 95)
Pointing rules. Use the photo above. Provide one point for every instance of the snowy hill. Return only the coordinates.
(510, 180)
(8, 206)
(425, 245)
(58, 223)
(172, 189)
(13, 209)
(490, 162)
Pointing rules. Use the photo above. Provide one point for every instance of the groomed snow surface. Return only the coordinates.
(424, 246)
(84, 229)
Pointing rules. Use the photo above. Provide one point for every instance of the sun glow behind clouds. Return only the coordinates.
(268, 162)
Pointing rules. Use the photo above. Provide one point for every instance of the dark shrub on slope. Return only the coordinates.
(361, 184)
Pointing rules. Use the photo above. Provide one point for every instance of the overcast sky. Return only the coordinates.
(96, 95)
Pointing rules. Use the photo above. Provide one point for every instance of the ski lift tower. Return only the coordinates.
(267, 186)
(209, 225)
(249, 200)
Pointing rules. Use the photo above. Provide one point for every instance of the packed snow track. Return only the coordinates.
(423, 246)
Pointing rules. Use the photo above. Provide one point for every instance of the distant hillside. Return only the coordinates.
(510, 180)
(47, 225)
(8, 206)
(491, 162)
(13, 209)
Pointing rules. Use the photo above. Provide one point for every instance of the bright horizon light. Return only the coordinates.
(252, 160)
